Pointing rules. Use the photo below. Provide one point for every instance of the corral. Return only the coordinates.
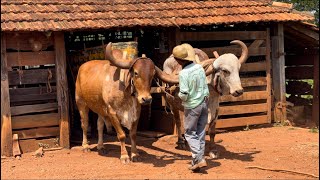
(43, 44)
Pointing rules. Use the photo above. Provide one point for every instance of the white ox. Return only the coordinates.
(224, 80)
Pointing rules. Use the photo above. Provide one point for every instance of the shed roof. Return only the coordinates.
(61, 15)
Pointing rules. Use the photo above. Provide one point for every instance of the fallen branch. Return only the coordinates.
(282, 170)
(53, 149)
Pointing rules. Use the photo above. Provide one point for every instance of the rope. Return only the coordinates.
(283, 170)
(163, 90)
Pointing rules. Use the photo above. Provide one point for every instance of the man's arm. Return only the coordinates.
(184, 89)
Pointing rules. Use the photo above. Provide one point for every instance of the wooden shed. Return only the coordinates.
(38, 38)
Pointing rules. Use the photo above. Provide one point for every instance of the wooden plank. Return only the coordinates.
(278, 70)
(256, 43)
(62, 88)
(33, 121)
(30, 58)
(31, 145)
(243, 109)
(30, 90)
(234, 50)
(15, 145)
(268, 75)
(246, 96)
(37, 132)
(296, 60)
(315, 103)
(256, 66)
(33, 97)
(222, 35)
(253, 81)
(19, 110)
(6, 130)
(32, 76)
(242, 121)
(306, 31)
(299, 72)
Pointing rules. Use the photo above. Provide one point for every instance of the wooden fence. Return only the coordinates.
(32, 63)
(254, 106)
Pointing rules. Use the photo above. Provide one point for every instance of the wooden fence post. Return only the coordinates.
(6, 129)
(278, 74)
(62, 89)
(315, 104)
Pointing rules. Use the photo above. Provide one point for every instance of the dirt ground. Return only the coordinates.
(289, 148)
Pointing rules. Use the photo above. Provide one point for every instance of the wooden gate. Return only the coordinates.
(37, 91)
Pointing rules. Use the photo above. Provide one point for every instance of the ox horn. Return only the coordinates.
(174, 79)
(121, 63)
(244, 48)
(168, 78)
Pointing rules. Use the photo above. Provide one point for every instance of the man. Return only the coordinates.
(194, 94)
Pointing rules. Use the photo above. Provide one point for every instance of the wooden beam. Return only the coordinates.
(253, 81)
(242, 109)
(34, 97)
(268, 75)
(315, 104)
(62, 88)
(260, 51)
(312, 34)
(30, 58)
(222, 35)
(6, 130)
(30, 90)
(37, 132)
(19, 110)
(241, 121)
(252, 67)
(278, 70)
(246, 96)
(32, 76)
(34, 121)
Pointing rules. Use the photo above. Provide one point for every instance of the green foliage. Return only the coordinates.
(314, 130)
(306, 5)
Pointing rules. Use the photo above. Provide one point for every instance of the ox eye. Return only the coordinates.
(225, 71)
(135, 74)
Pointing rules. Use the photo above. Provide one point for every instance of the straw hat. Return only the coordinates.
(184, 52)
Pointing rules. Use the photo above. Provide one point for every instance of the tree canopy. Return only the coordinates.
(306, 5)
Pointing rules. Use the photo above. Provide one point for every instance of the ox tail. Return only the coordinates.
(244, 48)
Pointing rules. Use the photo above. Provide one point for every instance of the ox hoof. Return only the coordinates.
(135, 158)
(214, 154)
(102, 151)
(124, 159)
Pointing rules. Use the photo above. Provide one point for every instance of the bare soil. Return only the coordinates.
(289, 148)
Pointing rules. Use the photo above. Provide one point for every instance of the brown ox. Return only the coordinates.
(98, 88)
(224, 80)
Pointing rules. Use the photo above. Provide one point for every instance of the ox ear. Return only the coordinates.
(216, 83)
(120, 63)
